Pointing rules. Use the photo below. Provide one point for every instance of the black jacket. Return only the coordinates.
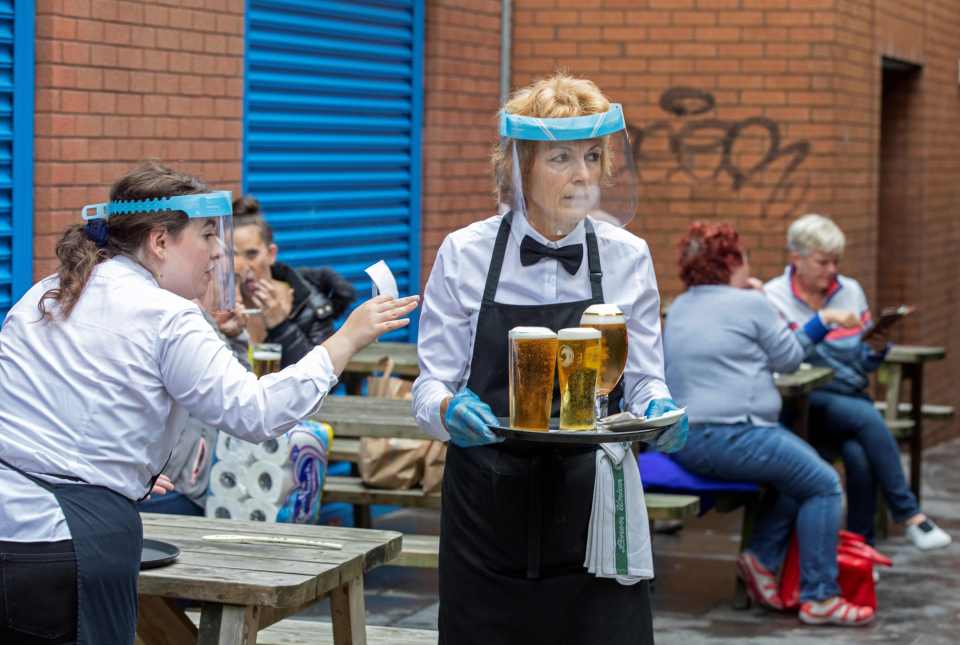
(320, 296)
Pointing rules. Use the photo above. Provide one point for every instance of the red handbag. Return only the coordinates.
(855, 562)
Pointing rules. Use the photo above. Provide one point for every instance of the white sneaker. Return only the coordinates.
(926, 536)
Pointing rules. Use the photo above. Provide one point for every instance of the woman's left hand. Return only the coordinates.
(162, 486)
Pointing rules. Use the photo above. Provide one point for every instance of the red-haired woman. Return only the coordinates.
(722, 342)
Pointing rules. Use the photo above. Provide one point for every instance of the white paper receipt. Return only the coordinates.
(383, 280)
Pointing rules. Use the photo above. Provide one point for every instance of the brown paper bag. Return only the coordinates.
(394, 464)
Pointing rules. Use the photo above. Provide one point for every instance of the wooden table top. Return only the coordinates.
(268, 575)
(368, 416)
(910, 354)
(803, 381)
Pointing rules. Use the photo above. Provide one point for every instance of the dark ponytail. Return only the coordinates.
(125, 234)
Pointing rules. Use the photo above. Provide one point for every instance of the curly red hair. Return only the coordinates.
(709, 253)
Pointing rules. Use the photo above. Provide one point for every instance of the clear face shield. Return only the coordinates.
(204, 270)
(559, 171)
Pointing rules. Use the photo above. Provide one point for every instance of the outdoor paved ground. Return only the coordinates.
(919, 598)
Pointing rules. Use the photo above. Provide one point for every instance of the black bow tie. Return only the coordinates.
(532, 252)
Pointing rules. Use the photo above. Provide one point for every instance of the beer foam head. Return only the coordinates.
(578, 333)
(531, 333)
(266, 355)
(603, 315)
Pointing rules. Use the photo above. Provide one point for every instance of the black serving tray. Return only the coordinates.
(157, 554)
(573, 437)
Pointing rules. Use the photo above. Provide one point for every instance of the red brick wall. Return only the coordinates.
(919, 161)
(118, 82)
(461, 98)
(800, 78)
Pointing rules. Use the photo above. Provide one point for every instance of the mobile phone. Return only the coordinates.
(889, 317)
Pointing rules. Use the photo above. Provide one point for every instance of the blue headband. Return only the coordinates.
(215, 204)
(563, 129)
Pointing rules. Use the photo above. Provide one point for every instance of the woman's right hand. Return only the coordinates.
(368, 322)
(839, 318)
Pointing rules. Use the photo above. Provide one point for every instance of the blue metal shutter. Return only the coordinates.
(333, 105)
(16, 150)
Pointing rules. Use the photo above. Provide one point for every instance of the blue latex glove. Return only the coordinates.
(673, 438)
(467, 419)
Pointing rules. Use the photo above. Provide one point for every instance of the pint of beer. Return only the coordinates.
(265, 358)
(532, 360)
(578, 364)
(609, 321)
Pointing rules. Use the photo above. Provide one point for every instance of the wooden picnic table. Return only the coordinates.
(247, 587)
(911, 360)
(795, 388)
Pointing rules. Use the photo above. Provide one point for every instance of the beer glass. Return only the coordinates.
(532, 360)
(610, 322)
(265, 358)
(578, 364)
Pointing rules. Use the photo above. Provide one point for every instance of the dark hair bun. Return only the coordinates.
(246, 206)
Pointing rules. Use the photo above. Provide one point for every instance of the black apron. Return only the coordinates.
(107, 541)
(513, 532)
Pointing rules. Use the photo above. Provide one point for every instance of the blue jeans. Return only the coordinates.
(173, 503)
(870, 456)
(808, 494)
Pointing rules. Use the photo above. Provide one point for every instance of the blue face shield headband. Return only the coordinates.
(216, 204)
(591, 126)
(581, 166)
(212, 284)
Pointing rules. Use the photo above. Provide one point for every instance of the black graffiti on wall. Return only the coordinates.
(747, 152)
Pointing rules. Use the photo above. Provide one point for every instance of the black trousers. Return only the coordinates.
(38, 593)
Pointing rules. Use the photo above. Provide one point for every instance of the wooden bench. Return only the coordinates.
(928, 410)
(292, 631)
(353, 491)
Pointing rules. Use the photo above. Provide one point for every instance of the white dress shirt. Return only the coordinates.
(100, 395)
(451, 306)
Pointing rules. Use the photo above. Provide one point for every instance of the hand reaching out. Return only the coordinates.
(368, 322)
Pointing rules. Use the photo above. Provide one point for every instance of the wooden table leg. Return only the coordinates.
(228, 624)
(915, 373)
(349, 614)
(799, 415)
(161, 622)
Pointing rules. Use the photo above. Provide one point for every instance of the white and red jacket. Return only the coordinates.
(842, 350)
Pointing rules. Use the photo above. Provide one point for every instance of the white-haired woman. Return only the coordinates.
(841, 411)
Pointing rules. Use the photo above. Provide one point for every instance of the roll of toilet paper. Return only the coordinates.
(231, 448)
(257, 510)
(226, 480)
(223, 509)
(268, 482)
(285, 449)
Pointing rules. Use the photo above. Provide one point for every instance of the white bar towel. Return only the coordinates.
(618, 539)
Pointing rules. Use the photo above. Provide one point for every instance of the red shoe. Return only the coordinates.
(836, 612)
(761, 584)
